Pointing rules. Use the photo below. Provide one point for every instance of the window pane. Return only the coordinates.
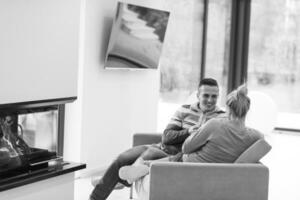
(274, 49)
(181, 59)
(218, 41)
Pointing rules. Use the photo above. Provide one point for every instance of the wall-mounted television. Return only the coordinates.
(137, 37)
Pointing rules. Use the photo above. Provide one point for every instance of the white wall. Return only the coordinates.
(112, 104)
(38, 49)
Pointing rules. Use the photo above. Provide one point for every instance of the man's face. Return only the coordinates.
(208, 96)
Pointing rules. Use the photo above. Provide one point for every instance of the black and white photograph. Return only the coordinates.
(149, 99)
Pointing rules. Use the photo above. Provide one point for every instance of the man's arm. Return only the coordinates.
(174, 134)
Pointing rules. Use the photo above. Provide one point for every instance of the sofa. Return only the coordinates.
(246, 179)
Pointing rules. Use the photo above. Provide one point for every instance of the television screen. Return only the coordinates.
(136, 38)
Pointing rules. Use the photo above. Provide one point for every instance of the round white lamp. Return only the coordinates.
(263, 112)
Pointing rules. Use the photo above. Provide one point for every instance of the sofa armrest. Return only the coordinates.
(146, 138)
(208, 181)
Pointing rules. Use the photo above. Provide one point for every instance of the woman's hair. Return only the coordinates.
(238, 102)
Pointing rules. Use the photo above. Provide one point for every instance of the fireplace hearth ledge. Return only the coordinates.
(39, 175)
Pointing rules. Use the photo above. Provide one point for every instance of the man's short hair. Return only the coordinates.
(208, 81)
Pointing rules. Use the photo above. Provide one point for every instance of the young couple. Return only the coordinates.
(200, 132)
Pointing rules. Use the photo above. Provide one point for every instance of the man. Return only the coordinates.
(187, 119)
(190, 117)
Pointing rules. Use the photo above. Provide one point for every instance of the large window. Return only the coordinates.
(274, 56)
(217, 44)
(181, 59)
(267, 52)
(181, 62)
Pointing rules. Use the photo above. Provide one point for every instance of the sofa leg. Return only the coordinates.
(131, 193)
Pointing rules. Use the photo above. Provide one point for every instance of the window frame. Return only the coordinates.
(204, 39)
(60, 129)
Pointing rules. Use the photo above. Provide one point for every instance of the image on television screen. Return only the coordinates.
(137, 37)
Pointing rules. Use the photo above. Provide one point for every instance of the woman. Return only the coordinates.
(217, 141)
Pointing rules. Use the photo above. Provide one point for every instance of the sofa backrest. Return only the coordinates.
(255, 152)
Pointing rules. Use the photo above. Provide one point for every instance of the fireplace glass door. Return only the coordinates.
(28, 139)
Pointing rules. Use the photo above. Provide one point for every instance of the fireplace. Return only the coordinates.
(31, 136)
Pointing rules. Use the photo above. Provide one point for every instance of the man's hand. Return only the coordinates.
(193, 128)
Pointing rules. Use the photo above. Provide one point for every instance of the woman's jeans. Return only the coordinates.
(111, 176)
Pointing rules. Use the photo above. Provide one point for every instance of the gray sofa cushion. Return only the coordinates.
(255, 152)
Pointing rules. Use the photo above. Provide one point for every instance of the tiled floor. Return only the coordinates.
(83, 188)
(283, 162)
